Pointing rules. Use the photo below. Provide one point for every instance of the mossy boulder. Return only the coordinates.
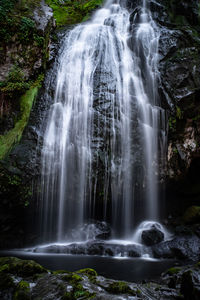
(173, 270)
(190, 285)
(23, 291)
(88, 272)
(24, 280)
(192, 215)
(72, 278)
(19, 267)
(120, 287)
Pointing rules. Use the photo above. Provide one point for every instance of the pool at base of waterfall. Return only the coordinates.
(119, 268)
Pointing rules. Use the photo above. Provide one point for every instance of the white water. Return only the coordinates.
(147, 225)
(105, 121)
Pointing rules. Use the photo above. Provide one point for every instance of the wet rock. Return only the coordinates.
(93, 248)
(190, 285)
(21, 268)
(152, 236)
(91, 231)
(87, 284)
(181, 247)
(42, 16)
(183, 230)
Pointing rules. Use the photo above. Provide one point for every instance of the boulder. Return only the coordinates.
(152, 236)
(181, 247)
(190, 285)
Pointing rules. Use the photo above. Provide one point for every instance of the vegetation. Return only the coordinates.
(15, 19)
(21, 46)
(120, 287)
(173, 270)
(88, 272)
(14, 83)
(22, 291)
(22, 268)
(71, 12)
(26, 101)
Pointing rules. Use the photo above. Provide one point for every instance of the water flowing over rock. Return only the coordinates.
(152, 236)
(105, 130)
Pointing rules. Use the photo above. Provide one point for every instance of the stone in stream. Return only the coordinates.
(152, 236)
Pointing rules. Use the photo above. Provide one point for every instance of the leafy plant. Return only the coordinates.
(14, 83)
(27, 27)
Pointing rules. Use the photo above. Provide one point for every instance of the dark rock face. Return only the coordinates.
(185, 279)
(180, 73)
(190, 284)
(179, 67)
(152, 236)
(186, 247)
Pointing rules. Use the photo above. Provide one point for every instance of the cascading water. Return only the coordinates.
(105, 130)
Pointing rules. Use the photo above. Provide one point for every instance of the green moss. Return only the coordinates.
(23, 291)
(172, 124)
(175, 150)
(23, 268)
(71, 12)
(178, 112)
(15, 83)
(72, 278)
(88, 272)
(173, 270)
(91, 5)
(120, 287)
(138, 292)
(15, 19)
(14, 135)
(82, 294)
(78, 292)
(39, 40)
(26, 29)
(59, 272)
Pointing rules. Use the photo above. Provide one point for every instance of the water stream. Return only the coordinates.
(105, 132)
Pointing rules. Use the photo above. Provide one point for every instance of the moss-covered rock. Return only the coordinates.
(25, 28)
(120, 287)
(19, 267)
(173, 270)
(88, 272)
(72, 278)
(22, 291)
(14, 135)
(23, 280)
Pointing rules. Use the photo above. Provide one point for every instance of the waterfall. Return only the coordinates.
(105, 130)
